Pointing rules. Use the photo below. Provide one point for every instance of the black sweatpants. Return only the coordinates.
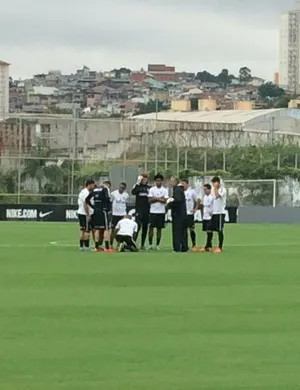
(128, 241)
(179, 233)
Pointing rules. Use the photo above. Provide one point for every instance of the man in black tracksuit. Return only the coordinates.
(179, 217)
(142, 206)
(101, 216)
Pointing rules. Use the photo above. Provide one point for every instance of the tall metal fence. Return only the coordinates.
(47, 159)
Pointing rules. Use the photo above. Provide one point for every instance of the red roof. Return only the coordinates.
(160, 68)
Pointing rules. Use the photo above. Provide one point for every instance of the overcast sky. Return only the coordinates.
(38, 35)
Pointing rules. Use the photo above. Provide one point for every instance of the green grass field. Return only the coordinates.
(149, 321)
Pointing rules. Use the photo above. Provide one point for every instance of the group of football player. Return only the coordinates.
(104, 214)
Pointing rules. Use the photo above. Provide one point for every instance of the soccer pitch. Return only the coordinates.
(149, 321)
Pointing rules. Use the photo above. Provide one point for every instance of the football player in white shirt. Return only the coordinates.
(207, 210)
(218, 215)
(192, 205)
(126, 234)
(119, 199)
(158, 196)
(84, 216)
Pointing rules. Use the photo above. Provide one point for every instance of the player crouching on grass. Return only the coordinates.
(126, 232)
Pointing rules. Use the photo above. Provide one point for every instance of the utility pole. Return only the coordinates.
(74, 151)
(20, 165)
(156, 138)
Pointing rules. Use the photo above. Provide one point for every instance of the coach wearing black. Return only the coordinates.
(142, 206)
(100, 218)
(177, 204)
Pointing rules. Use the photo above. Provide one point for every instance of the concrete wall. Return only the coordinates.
(257, 214)
(108, 138)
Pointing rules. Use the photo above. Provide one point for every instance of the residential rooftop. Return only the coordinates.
(221, 116)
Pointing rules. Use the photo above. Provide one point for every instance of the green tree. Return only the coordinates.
(151, 106)
(8, 184)
(245, 75)
(42, 167)
(206, 77)
(282, 102)
(53, 109)
(35, 167)
(224, 78)
(270, 90)
(8, 181)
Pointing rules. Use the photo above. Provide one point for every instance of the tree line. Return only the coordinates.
(224, 78)
(53, 175)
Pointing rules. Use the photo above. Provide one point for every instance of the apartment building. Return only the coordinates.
(4, 89)
(162, 72)
(159, 72)
(289, 49)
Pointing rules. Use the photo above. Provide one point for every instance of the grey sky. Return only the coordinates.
(38, 35)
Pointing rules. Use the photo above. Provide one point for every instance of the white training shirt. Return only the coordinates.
(208, 201)
(158, 207)
(219, 204)
(190, 199)
(127, 227)
(119, 202)
(83, 194)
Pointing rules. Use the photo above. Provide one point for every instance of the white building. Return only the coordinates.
(4, 89)
(289, 49)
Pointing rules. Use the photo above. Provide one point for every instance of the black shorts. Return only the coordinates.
(190, 220)
(157, 221)
(115, 220)
(84, 223)
(217, 222)
(101, 220)
(207, 225)
(142, 218)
